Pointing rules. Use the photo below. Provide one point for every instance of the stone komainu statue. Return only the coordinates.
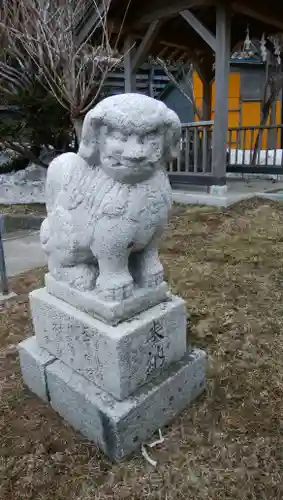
(108, 204)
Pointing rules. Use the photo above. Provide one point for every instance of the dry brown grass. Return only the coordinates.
(28, 209)
(228, 445)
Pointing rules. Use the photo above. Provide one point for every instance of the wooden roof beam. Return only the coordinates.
(163, 51)
(174, 53)
(259, 12)
(158, 10)
(93, 20)
(205, 34)
(182, 57)
(174, 45)
(145, 45)
(190, 57)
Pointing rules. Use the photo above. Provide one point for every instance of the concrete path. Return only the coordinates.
(23, 252)
(238, 190)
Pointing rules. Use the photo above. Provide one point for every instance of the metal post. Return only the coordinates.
(222, 67)
(4, 289)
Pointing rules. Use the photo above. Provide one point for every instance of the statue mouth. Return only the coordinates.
(133, 167)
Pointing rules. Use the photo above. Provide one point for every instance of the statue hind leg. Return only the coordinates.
(69, 259)
(146, 266)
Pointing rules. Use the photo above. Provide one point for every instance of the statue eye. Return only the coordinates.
(117, 136)
(152, 136)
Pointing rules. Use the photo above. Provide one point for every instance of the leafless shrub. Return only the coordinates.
(41, 37)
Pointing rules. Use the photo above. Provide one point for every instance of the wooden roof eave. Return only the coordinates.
(138, 21)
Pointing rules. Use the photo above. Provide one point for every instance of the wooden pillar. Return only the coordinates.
(206, 100)
(129, 75)
(151, 82)
(222, 69)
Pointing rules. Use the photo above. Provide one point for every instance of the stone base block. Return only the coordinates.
(119, 358)
(34, 361)
(218, 190)
(105, 310)
(119, 427)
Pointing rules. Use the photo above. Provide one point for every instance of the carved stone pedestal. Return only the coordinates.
(109, 351)
(114, 384)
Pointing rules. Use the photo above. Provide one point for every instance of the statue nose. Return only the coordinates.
(135, 153)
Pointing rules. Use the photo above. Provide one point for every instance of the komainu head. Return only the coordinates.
(130, 136)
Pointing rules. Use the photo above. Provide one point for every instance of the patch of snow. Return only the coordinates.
(264, 157)
(28, 186)
(33, 173)
(271, 157)
(4, 158)
(24, 186)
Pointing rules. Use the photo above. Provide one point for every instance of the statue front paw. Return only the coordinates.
(81, 276)
(115, 288)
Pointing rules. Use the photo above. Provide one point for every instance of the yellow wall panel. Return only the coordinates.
(234, 89)
(278, 112)
(250, 113)
(234, 119)
(197, 86)
(234, 85)
(250, 117)
(199, 106)
(233, 103)
(244, 114)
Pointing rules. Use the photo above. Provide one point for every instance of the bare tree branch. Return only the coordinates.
(186, 87)
(40, 35)
(272, 90)
(23, 151)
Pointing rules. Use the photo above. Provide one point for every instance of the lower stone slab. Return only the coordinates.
(34, 360)
(119, 427)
